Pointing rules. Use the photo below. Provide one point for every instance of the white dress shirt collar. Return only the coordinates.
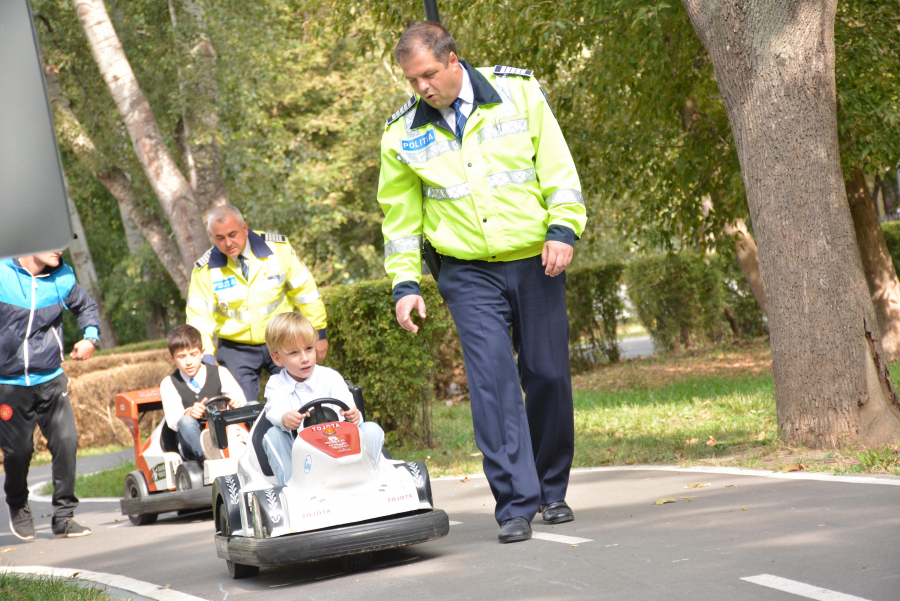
(199, 377)
(467, 98)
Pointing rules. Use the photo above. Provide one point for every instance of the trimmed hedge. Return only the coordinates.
(401, 373)
(891, 231)
(681, 298)
(595, 306)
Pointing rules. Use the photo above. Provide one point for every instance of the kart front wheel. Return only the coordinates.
(189, 475)
(136, 488)
(235, 570)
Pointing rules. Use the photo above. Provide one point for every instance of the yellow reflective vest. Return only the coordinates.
(220, 301)
(496, 195)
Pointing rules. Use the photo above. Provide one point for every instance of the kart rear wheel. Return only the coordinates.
(189, 475)
(136, 488)
(357, 563)
(235, 570)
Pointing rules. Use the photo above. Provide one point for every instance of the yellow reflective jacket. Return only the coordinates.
(496, 195)
(220, 301)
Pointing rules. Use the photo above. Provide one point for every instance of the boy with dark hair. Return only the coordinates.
(185, 391)
(34, 290)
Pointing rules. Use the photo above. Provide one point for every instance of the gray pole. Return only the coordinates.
(431, 11)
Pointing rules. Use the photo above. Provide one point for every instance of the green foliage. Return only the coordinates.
(397, 370)
(595, 306)
(738, 295)
(891, 231)
(679, 298)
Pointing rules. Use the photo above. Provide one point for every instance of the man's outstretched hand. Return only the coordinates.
(84, 349)
(405, 306)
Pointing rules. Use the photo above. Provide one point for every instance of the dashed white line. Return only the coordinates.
(799, 588)
(559, 538)
(138, 587)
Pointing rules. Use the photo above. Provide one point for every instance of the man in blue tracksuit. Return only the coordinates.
(34, 290)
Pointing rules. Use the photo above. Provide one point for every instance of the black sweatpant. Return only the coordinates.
(47, 405)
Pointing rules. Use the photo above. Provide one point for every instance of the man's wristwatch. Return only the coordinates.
(94, 341)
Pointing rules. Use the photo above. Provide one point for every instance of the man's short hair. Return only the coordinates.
(221, 214)
(184, 337)
(286, 329)
(425, 35)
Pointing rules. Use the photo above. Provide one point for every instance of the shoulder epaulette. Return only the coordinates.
(502, 70)
(202, 261)
(275, 238)
(409, 104)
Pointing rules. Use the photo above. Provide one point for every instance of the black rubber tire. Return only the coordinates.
(189, 475)
(385, 453)
(357, 563)
(236, 570)
(136, 488)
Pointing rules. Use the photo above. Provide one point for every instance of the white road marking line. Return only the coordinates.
(799, 588)
(559, 538)
(138, 587)
(732, 471)
(452, 523)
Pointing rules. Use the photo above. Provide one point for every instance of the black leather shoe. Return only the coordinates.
(514, 530)
(557, 513)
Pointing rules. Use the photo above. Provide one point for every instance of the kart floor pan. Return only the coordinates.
(195, 498)
(330, 543)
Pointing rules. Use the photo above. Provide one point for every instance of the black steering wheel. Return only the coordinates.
(317, 413)
(217, 403)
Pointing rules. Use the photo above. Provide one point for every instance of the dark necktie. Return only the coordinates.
(245, 267)
(460, 119)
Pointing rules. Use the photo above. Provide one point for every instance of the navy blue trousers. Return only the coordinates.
(246, 362)
(498, 307)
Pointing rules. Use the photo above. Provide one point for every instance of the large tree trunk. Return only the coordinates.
(200, 118)
(173, 191)
(774, 64)
(748, 257)
(83, 263)
(877, 264)
(72, 133)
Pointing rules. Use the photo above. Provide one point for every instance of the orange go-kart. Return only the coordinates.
(163, 480)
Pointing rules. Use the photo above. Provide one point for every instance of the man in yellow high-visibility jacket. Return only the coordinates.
(476, 162)
(238, 286)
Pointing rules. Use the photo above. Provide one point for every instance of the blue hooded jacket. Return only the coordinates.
(31, 336)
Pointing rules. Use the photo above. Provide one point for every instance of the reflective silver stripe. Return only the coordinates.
(504, 128)
(234, 314)
(504, 178)
(299, 280)
(407, 122)
(566, 195)
(450, 193)
(269, 308)
(402, 244)
(507, 107)
(201, 305)
(305, 299)
(429, 152)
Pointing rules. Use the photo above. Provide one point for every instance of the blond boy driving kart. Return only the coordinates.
(185, 392)
(291, 340)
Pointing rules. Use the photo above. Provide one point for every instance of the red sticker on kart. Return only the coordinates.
(5, 412)
(335, 439)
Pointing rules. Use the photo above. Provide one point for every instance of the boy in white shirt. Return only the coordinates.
(291, 340)
(184, 392)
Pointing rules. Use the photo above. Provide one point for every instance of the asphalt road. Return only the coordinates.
(839, 536)
(639, 346)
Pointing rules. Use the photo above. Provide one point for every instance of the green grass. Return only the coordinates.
(17, 587)
(45, 458)
(108, 483)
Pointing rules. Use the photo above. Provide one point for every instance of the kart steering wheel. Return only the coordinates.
(316, 413)
(217, 403)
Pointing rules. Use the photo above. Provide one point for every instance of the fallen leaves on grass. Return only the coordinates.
(697, 484)
(793, 468)
(711, 442)
(666, 500)
(692, 441)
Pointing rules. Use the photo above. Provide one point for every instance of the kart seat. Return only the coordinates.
(168, 439)
(260, 428)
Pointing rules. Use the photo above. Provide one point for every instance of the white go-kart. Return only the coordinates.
(338, 502)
